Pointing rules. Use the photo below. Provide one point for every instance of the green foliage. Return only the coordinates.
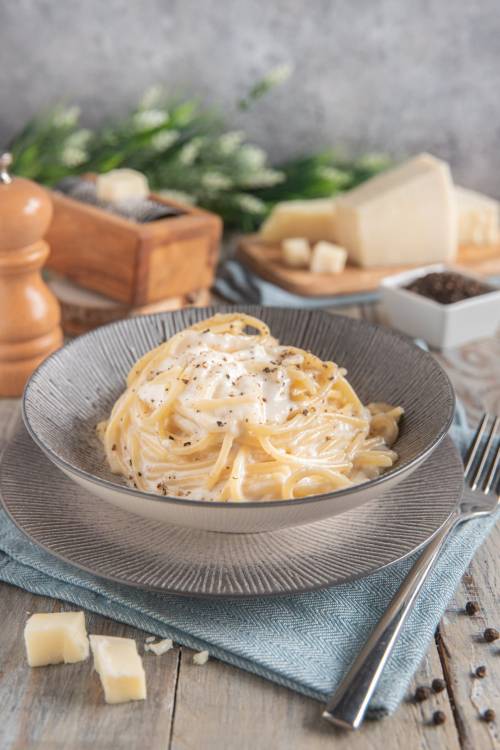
(185, 151)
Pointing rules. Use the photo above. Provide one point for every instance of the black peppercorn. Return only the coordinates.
(422, 693)
(447, 287)
(438, 717)
(489, 715)
(481, 671)
(491, 634)
(471, 608)
(438, 685)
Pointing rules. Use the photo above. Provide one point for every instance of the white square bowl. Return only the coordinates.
(442, 326)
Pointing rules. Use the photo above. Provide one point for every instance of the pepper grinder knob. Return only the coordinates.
(29, 312)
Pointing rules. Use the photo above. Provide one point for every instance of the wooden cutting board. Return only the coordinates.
(265, 260)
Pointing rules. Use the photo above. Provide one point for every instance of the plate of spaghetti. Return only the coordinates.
(239, 420)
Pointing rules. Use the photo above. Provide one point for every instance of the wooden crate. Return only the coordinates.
(133, 263)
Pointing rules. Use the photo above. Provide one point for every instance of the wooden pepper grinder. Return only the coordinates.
(29, 312)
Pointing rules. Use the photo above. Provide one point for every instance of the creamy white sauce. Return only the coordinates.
(223, 366)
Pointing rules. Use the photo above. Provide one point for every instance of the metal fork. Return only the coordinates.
(347, 706)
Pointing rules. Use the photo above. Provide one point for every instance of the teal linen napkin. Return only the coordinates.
(304, 641)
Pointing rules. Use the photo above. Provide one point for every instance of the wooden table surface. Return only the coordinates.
(218, 707)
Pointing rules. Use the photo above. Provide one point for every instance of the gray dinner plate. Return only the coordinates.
(80, 528)
(75, 388)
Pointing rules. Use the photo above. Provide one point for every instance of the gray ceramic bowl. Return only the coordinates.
(76, 387)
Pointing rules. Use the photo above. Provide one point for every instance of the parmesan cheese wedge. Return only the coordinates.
(312, 219)
(119, 667)
(405, 215)
(477, 218)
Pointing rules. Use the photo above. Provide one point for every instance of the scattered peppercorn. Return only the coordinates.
(438, 685)
(481, 671)
(471, 608)
(489, 715)
(438, 717)
(447, 288)
(422, 693)
(491, 634)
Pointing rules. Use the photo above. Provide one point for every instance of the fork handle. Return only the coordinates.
(347, 706)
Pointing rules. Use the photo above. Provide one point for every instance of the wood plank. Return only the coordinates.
(218, 708)
(265, 260)
(462, 649)
(474, 371)
(62, 706)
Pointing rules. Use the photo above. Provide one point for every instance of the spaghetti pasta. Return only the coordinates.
(221, 411)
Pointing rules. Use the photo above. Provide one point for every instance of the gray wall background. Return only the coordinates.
(393, 75)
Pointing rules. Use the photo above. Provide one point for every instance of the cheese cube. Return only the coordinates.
(312, 219)
(201, 658)
(160, 647)
(477, 218)
(119, 667)
(56, 637)
(328, 258)
(405, 215)
(296, 252)
(122, 185)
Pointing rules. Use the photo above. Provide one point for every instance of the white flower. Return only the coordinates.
(66, 117)
(263, 178)
(177, 195)
(72, 156)
(251, 157)
(278, 75)
(189, 152)
(374, 161)
(164, 139)
(331, 173)
(216, 181)
(250, 204)
(147, 119)
(78, 139)
(229, 142)
(152, 97)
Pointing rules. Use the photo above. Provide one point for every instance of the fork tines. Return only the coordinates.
(484, 457)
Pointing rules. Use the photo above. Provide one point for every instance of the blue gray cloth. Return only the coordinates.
(304, 642)
(239, 285)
